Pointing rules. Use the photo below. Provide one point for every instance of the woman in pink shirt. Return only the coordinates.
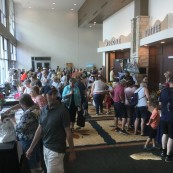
(37, 98)
(119, 106)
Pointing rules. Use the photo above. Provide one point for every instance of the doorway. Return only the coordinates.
(40, 62)
(43, 64)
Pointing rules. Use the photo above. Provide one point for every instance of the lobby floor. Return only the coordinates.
(100, 149)
(99, 131)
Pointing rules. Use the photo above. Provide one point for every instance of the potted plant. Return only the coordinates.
(2, 100)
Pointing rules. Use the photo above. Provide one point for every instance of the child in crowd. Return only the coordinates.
(153, 123)
(108, 102)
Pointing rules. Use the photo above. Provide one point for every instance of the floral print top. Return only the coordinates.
(27, 125)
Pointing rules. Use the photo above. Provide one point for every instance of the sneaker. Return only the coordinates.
(155, 148)
(72, 130)
(163, 153)
(136, 133)
(40, 170)
(78, 128)
(124, 132)
(131, 127)
(117, 129)
(108, 113)
(97, 114)
(146, 148)
(168, 158)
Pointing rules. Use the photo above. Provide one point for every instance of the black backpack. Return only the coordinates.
(133, 101)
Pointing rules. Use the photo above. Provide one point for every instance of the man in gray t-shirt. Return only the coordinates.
(53, 122)
(54, 128)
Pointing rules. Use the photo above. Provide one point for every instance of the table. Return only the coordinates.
(9, 161)
(11, 102)
(11, 152)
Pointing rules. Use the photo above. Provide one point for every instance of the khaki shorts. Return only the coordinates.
(54, 161)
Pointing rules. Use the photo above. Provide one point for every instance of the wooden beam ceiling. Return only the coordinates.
(99, 10)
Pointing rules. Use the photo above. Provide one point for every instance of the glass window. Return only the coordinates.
(3, 70)
(1, 47)
(0, 4)
(13, 52)
(3, 12)
(5, 49)
(11, 17)
(3, 59)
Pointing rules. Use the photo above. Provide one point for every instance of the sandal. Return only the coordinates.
(72, 130)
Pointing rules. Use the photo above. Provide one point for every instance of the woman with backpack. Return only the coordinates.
(141, 107)
(129, 91)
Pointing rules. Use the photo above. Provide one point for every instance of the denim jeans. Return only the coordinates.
(98, 99)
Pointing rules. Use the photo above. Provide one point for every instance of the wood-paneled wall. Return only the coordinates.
(159, 63)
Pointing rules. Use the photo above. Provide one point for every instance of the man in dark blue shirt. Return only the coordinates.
(54, 128)
(166, 100)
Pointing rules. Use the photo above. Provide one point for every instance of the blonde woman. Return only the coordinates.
(142, 107)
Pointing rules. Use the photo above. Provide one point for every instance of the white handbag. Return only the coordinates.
(94, 103)
(7, 131)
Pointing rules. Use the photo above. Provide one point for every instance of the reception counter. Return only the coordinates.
(9, 161)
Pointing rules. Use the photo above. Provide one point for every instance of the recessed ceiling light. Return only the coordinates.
(162, 42)
(29, 7)
(71, 9)
(53, 3)
(75, 4)
(95, 22)
(53, 8)
(90, 26)
(145, 45)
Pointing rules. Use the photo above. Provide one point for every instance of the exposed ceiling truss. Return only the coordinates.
(99, 10)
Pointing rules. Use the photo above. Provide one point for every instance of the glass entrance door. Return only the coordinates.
(46, 64)
(42, 64)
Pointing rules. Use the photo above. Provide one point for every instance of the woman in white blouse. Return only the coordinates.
(142, 107)
(98, 92)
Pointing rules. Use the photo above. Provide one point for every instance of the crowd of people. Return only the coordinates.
(160, 119)
(51, 99)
